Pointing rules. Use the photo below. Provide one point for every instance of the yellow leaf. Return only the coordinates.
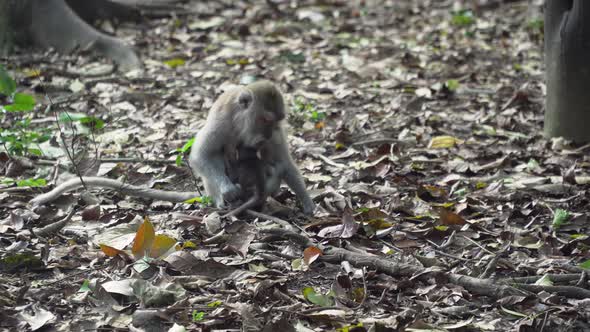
(189, 245)
(143, 238)
(32, 73)
(444, 142)
(173, 63)
(110, 251)
(162, 243)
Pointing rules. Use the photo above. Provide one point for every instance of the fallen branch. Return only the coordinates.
(567, 277)
(119, 186)
(567, 291)
(485, 287)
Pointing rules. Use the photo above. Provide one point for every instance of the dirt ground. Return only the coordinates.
(417, 126)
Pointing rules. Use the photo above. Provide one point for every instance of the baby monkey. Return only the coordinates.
(248, 167)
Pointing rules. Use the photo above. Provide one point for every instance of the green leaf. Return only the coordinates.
(173, 63)
(7, 84)
(318, 299)
(585, 265)
(36, 152)
(186, 147)
(23, 98)
(214, 304)
(178, 161)
(463, 18)
(85, 287)
(560, 218)
(205, 200)
(452, 85)
(198, 316)
(317, 116)
(31, 183)
(21, 102)
(92, 122)
(71, 116)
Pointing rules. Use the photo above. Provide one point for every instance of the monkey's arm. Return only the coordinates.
(128, 189)
(207, 159)
(294, 180)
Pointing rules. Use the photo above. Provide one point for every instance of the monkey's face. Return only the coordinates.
(259, 117)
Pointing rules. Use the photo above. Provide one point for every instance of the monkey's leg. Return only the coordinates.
(125, 188)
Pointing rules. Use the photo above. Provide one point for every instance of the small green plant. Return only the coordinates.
(19, 102)
(536, 24)
(204, 200)
(183, 150)
(307, 111)
(214, 304)
(560, 218)
(24, 183)
(323, 300)
(90, 122)
(452, 85)
(463, 18)
(18, 139)
(198, 316)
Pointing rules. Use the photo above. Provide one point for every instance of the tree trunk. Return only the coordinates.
(567, 66)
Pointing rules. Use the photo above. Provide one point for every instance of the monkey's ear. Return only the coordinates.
(245, 99)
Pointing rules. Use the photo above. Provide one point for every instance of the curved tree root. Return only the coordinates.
(119, 186)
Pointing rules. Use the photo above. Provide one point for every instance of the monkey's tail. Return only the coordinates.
(119, 186)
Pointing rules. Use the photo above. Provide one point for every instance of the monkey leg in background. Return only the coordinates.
(55, 24)
(248, 116)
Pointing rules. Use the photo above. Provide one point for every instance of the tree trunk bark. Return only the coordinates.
(567, 66)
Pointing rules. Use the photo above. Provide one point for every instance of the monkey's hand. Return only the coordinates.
(308, 206)
(230, 192)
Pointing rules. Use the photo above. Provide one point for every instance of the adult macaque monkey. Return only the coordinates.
(246, 117)
(243, 119)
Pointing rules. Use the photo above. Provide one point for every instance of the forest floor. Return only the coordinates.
(417, 126)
